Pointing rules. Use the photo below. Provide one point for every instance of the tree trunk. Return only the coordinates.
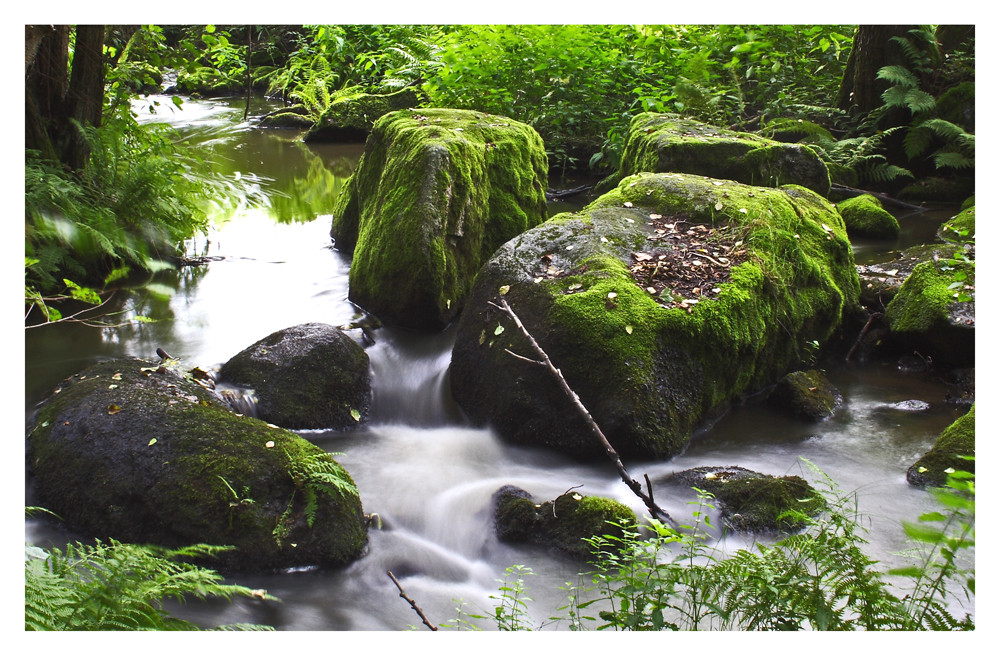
(860, 89)
(85, 97)
(46, 80)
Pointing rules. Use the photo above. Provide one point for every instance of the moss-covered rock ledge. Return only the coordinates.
(669, 143)
(650, 360)
(958, 440)
(131, 450)
(436, 192)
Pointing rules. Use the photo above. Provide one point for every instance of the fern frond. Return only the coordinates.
(898, 76)
(953, 160)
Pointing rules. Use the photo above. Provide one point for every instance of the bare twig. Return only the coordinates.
(864, 331)
(412, 603)
(633, 485)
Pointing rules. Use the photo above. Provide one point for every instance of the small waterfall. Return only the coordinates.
(243, 401)
(410, 381)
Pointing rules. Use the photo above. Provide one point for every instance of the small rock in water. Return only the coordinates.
(913, 405)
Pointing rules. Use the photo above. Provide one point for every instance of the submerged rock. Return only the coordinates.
(751, 502)
(959, 439)
(565, 523)
(131, 450)
(864, 216)
(669, 143)
(806, 394)
(350, 118)
(436, 192)
(307, 376)
(652, 358)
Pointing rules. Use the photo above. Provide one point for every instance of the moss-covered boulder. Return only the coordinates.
(661, 303)
(436, 192)
(565, 523)
(669, 143)
(807, 395)
(752, 502)
(131, 450)
(930, 313)
(296, 116)
(959, 439)
(350, 118)
(308, 376)
(864, 216)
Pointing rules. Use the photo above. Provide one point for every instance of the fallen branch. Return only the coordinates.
(633, 485)
(412, 603)
(886, 199)
(864, 331)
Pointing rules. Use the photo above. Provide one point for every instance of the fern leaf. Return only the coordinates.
(953, 160)
(898, 76)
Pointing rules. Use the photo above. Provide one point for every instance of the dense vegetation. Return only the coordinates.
(107, 198)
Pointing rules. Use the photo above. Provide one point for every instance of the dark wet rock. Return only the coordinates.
(564, 524)
(435, 194)
(350, 119)
(307, 376)
(806, 394)
(669, 143)
(959, 439)
(651, 366)
(865, 217)
(751, 502)
(136, 451)
(881, 281)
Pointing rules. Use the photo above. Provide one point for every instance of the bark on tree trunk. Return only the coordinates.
(860, 89)
(85, 97)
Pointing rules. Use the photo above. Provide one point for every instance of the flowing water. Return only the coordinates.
(420, 467)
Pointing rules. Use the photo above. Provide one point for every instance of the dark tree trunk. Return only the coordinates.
(55, 98)
(860, 89)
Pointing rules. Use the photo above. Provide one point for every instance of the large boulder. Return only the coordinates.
(565, 523)
(350, 118)
(958, 440)
(436, 192)
(661, 303)
(308, 376)
(139, 452)
(669, 143)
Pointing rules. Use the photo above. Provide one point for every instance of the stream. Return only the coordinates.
(418, 464)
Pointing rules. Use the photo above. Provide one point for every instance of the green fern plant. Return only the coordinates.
(120, 587)
(313, 475)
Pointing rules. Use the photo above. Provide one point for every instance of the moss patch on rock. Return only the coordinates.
(648, 369)
(670, 143)
(960, 228)
(751, 502)
(565, 523)
(807, 395)
(864, 216)
(350, 119)
(435, 194)
(307, 376)
(131, 450)
(926, 314)
(959, 439)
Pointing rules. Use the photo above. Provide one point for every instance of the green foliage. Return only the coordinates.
(313, 474)
(116, 586)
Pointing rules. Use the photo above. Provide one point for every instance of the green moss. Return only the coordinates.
(959, 439)
(865, 217)
(669, 143)
(961, 227)
(352, 118)
(436, 192)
